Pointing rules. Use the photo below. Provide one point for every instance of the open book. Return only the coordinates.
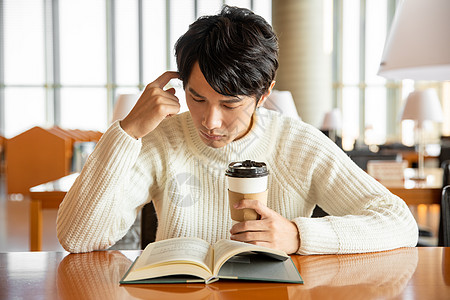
(194, 260)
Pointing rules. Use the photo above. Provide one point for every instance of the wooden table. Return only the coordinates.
(50, 195)
(406, 273)
(46, 196)
(418, 192)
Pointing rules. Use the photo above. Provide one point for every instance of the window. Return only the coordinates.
(63, 62)
(361, 28)
(370, 104)
(22, 66)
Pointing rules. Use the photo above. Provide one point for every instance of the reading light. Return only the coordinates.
(332, 122)
(418, 48)
(422, 106)
(418, 45)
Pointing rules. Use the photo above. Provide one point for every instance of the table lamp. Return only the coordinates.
(332, 122)
(418, 48)
(283, 102)
(422, 106)
(418, 44)
(123, 106)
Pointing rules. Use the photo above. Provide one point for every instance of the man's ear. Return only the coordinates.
(266, 94)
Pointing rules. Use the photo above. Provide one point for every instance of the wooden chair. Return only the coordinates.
(34, 157)
(446, 167)
(445, 182)
(41, 155)
(149, 224)
(445, 214)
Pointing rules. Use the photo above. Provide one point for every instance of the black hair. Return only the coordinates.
(237, 52)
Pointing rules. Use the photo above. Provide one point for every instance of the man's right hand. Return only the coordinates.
(153, 106)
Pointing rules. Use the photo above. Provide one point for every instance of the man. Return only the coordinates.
(227, 63)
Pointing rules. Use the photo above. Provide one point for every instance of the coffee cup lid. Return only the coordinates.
(247, 169)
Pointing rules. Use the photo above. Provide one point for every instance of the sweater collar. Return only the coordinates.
(254, 145)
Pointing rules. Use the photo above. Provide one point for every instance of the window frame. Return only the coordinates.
(396, 91)
(52, 78)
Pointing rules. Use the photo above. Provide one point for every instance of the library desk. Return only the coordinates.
(411, 273)
(50, 195)
(46, 196)
(418, 192)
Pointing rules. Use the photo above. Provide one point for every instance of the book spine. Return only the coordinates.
(211, 279)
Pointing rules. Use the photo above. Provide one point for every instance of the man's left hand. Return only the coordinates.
(272, 230)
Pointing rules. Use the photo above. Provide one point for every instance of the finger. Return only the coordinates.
(246, 226)
(260, 208)
(164, 79)
(252, 236)
(175, 111)
(262, 244)
(172, 108)
(173, 101)
(157, 92)
(171, 91)
(267, 244)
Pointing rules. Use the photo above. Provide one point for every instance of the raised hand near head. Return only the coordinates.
(154, 105)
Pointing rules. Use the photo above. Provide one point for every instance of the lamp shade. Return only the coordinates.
(422, 106)
(418, 45)
(283, 102)
(332, 120)
(123, 106)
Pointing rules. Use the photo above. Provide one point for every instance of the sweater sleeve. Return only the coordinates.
(103, 202)
(363, 215)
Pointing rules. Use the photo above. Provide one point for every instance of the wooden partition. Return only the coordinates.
(40, 155)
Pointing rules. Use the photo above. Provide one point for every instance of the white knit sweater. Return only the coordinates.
(185, 179)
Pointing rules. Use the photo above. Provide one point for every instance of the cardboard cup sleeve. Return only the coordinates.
(245, 214)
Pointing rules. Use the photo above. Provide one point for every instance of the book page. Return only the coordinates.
(177, 249)
(224, 249)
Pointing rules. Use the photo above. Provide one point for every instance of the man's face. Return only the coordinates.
(219, 119)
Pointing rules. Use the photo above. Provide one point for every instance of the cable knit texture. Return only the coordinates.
(186, 180)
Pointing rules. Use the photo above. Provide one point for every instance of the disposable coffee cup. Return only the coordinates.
(246, 180)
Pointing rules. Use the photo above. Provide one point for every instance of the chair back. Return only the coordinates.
(149, 224)
(445, 213)
(445, 181)
(446, 168)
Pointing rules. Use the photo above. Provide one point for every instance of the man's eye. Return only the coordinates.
(230, 107)
(198, 100)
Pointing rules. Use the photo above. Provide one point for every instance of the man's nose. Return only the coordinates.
(212, 118)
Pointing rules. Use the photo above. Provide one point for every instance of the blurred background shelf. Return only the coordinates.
(40, 155)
